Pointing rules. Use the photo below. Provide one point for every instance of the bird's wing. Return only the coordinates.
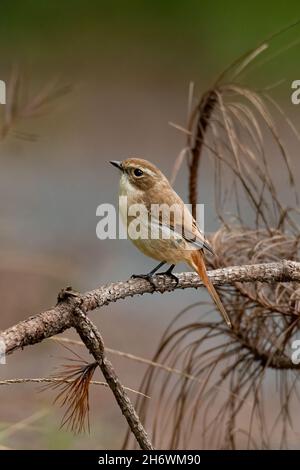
(194, 236)
(185, 228)
(191, 232)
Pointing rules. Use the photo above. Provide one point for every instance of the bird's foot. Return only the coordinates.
(66, 293)
(170, 274)
(149, 277)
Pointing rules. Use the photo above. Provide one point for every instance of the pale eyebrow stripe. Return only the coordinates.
(149, 172)
(145, 170)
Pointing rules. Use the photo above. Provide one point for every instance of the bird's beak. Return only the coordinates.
(117, 164)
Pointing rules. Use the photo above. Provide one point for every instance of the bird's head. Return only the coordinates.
(139, 174)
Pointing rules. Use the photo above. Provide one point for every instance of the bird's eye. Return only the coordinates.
(138, 172)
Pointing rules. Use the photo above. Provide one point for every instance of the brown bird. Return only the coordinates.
(160, 224)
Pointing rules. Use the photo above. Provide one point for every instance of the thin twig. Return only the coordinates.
(91, 337)
(203, 114)
(53, 380)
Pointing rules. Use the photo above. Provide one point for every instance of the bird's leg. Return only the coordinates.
(149, 276)
(170, 274)
(66, 293)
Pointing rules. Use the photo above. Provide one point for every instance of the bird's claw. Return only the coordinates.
(147, 277)
(171, 276)
(66, 293)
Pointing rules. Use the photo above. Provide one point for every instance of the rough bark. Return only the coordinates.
(59, 318)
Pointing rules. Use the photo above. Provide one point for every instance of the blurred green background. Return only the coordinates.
(130, 65)
(174, 39)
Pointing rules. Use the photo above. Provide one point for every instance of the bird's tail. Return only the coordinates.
(197, 263)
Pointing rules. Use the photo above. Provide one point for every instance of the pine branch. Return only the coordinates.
(72, 307)
(56, 320)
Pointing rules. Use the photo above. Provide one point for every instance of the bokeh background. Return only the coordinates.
(129, 65)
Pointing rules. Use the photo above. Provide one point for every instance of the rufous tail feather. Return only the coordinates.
(197, 262)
